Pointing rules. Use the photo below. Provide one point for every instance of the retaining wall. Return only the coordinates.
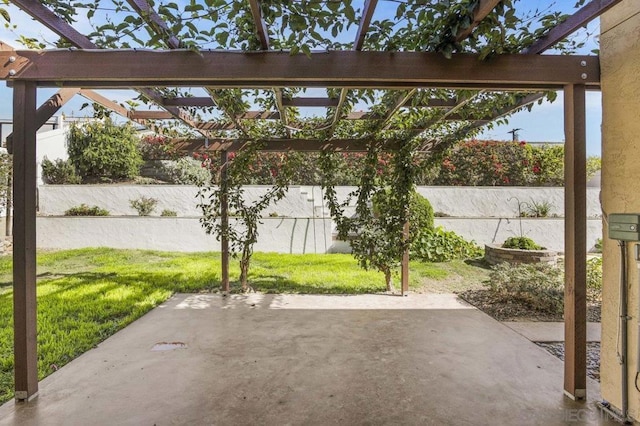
(490, 217)
(282, 235)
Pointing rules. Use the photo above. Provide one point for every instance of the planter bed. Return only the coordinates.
(495, 254)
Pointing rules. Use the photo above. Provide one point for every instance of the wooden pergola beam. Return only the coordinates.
(260, 25)
(365, 21)
(101, 100)
(125, 68)
(483, 8)
(47, 109)
(196, 101)
(155, 21)
(150, 115)
(300, 102)
(277, 145)
(278, 98)
(46, 17)
(582, 17)
(481, 11)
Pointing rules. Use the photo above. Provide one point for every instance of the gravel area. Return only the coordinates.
(593, 356)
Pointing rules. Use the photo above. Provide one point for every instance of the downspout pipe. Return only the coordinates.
(624, 319)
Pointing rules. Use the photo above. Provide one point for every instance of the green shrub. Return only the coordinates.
(594, 279)
(85, 210)
(522, 243)
(59, 172)
(420, 211)
(540, 286)
(597, 247)
(103, 150)
(6, 166)
(144, 205)
(157, 147)
(438, 245)
(168, 213)
(538, 209)
(187, 171)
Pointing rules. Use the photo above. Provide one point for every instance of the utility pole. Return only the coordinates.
(514, 134)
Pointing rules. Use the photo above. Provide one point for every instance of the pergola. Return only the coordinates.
(78, 70)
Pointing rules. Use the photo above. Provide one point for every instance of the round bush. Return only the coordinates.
(103, 150)
(522, 243)
(420, 210)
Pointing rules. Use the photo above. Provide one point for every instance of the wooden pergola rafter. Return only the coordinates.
(401, 74)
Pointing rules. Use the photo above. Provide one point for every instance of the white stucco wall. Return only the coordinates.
(281, 235)
(307, 201)
(51, 144)
(466, 201)
(56, 199)
(491, 217)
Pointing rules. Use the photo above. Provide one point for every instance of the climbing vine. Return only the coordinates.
(375, 231)
(243, 232)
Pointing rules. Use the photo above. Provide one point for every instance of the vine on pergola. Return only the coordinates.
(396, 117)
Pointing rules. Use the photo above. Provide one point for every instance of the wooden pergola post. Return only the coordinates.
(575, 242)
(224, 220)
(24, 248)
(405, 259)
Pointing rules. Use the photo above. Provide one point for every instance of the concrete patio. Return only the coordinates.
(274, 359)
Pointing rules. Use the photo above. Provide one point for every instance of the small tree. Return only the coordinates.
(244, 234)
(382, 208)
(103, 150)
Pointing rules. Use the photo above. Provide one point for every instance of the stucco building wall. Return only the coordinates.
(620, 63)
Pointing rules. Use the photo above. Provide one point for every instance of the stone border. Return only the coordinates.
(495, 254)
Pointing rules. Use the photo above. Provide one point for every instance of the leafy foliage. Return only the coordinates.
(494, 163)
(594, 279)
(522, 243)
(539, 285)
(59, 172)
(439, 245)
(420, 210)
(537, 209)
(377, 240)
(241, 238)
(144, 205)
(103, 150)
(85, 210)
(188, 171)
(6, 168)
(168, 213)
(5, 15)
(157, 147)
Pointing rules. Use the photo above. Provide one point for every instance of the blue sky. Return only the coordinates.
(543, 123)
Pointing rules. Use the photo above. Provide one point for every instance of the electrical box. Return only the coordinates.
(624, 226)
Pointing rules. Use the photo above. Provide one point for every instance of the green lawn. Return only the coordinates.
(84, 296)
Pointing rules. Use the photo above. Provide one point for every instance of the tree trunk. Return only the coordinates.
(387, 278)
(244, 272)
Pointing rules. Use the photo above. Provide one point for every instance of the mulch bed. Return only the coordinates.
(513, 310)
